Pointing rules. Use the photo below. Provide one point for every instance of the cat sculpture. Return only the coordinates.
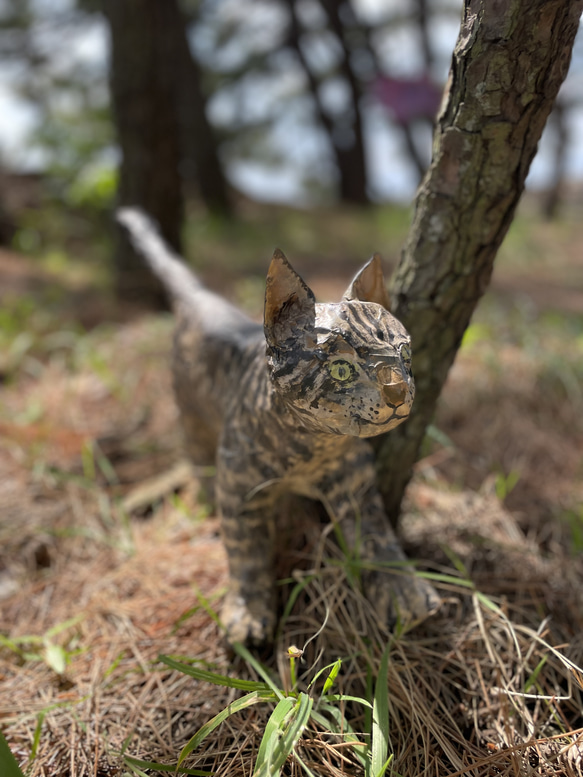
(287, 407)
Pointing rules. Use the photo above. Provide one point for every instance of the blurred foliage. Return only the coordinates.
(45, 47)
(270, 85)
(94, 189)
(277, 93)
(339, 239)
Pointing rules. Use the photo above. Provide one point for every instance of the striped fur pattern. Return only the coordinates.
(286, 408)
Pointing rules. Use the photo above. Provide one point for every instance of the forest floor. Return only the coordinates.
(108, 558)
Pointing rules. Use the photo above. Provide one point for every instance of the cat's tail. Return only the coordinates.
(180, 282)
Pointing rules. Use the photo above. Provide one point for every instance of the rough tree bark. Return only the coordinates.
(508, 64)
(144, 63)
(348, 134)
(162, 128)
(201, 165)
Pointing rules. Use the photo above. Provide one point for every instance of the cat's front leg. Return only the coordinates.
(392, 584)
(388, 578)
(248, 612)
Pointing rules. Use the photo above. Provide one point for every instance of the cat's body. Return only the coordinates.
(283, 408)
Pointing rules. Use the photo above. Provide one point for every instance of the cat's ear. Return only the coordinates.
(368, 284)
(290, 305)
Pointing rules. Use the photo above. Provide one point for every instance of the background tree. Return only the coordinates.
(72, 135)
(342, 122)
(144, 63)
(162, 128)
(323, 72)
(508, 64)
(317, 63)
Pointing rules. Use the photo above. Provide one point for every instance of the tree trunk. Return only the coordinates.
(201, 165)
(345, 133)
(552, 200)
(508, 64)
(348, 136)
(144, 64)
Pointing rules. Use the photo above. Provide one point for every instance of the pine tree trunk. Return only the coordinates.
(347, 136)
(509, 62)
(345, 133)
(144, 64)
(201, 165)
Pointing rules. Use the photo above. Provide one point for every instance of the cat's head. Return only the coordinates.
(344, 367)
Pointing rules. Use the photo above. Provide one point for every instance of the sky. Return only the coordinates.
(391, 174)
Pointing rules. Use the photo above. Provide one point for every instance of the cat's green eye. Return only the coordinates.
(341, 370)
(406, 353)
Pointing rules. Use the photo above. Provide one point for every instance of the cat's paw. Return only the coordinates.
(250, 622)
(405, 598)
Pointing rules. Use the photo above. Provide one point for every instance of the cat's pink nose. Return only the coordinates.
(395, 393)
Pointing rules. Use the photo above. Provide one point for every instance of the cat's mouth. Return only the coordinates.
(368, 427)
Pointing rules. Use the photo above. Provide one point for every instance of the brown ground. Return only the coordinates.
(106, 554)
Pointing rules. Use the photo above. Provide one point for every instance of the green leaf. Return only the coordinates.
(37, 732)
(56, 657)
(487, 602)
(213, 677)
(439, 437)
(346, 697)
(332, 676)
(261, 670)
(321, 672)
(438, 577)
(239, 704)
(280, 751)
(476, 333)
(8, 765)
(386, 765)
(272, 729)
(63, 626)
(534, 676)
(380, 719)
(296, 591)
(13, 642)
(455, 560)
(207, 607)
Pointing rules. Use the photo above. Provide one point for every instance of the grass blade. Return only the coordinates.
(332, 676)
(213, 677)
(380, 719)
(261, 670)
(272, 727)
(60, 627)
(284, 747)
(386, 765)
(321, 672)
(296, 591)
(8, 764)
(346, 697)
(439, 577)
(239, 704)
